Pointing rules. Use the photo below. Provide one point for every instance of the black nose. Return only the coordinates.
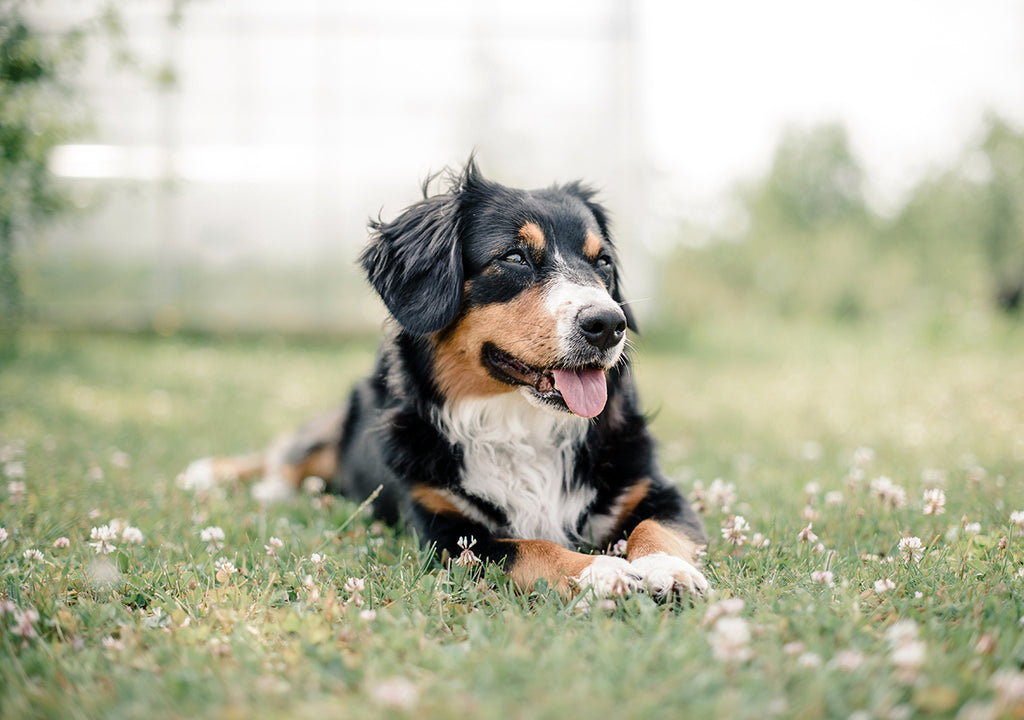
(603, 327)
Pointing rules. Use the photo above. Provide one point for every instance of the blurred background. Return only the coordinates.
(210, 166)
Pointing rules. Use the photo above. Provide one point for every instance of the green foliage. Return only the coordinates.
(34, 117)
(810, 244)
(1002, 205)
(40, 108)
(814, 184)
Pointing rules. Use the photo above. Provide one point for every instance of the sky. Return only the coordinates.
(911, 79)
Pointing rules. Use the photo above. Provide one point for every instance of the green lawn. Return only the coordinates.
(798, 424)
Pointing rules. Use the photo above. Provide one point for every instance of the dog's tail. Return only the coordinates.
(279, 470)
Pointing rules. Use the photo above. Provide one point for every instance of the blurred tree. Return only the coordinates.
(810, 229)
(33, 69)
(1002, 203)
(814, 183)
(38, 111)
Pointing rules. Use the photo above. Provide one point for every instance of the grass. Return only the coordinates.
(95, 428)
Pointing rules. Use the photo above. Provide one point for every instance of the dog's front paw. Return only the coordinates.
(664, 575)
(609, 576)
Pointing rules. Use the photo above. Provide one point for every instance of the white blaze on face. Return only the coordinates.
(583, 387)
(564, 300)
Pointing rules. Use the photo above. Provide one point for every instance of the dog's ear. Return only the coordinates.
(415, 263)
(587, 195)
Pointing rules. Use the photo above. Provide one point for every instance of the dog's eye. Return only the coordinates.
(515, 257)
(605, 261)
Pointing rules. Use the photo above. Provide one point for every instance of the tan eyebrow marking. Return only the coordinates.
(532, 235)
(592, 245)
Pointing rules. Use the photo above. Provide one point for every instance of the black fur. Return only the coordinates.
(421, 264)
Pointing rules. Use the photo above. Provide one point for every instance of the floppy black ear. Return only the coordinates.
(415, 264)
(587, 195)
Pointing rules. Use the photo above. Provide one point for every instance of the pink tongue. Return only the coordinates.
(584, 391)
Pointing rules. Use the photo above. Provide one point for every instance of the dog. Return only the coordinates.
(501, 415)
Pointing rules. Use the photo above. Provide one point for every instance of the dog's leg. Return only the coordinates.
(665, 538)
(667, 558)
(281, 468)
(442, 523)
(567, 571)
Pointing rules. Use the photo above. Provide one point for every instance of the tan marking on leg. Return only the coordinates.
(541, 559)
(651, 537)
(433, 500)
(322, 463)
(592, 245)
(244, 468)
(532, 235)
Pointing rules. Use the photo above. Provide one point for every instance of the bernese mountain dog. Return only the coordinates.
(502, 410)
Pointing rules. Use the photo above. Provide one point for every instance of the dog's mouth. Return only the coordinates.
(581, 390)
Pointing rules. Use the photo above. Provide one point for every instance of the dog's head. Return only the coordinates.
(514, 289)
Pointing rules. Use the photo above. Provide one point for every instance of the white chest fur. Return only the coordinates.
(521, 458)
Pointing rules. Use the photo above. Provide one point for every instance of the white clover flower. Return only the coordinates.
(911, 549)
(102, 538)
(834, 498)
(934, 502)
(848, 660)
(730, 607)
(311, 588)
(16, 489)
(734, 530)
(1009, 687)
(33, 555)
(884, 586)
(807, 535)
(24, 623)
(14, 470)
(972, 528)
(901, 632)
(721, 493)
(619, 548)
(759, 541)
(467, 557)
(367, 615)
(12, 451)
(1017, 518)
(317, 558)
(730, 639)
(61, 542)
(889, 493)
(794, 648)
(213, 536)
(354, 587)
(397, 693)
(120, 459)
(224, 569)
(112, 643)
(908, 656)
(809, 661)
(274, 544)
(3, 535)
(132, 535)
(863, 456)
(823, 577)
